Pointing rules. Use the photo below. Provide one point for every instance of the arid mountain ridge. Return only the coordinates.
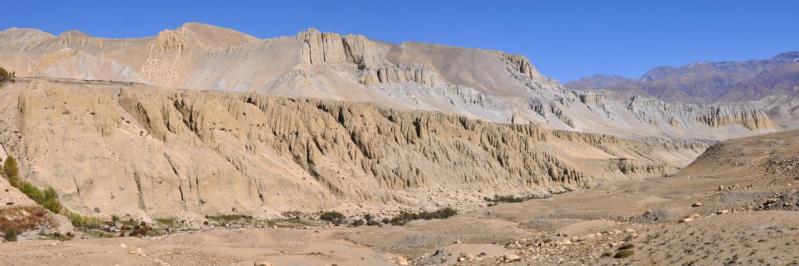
(476, 83)
(203, 120)
(772, 84)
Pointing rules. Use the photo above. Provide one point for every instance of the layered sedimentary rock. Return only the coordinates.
(713, 115)
(476, 83)
(161, 152)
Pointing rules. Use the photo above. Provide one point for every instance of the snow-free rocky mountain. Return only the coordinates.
(771, 85)
(203, 120)
(475, 83)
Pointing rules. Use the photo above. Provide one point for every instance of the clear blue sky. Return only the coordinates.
(564, 39)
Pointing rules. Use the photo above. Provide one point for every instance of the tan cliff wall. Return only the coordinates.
(114, 148)
(715, 116)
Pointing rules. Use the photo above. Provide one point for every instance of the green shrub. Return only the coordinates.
(10, 169)
(332, 216)
(60, 237)
(626, 246)
(168, 222)
(50, 200)
(358, 222)
(230, 218)
(5, 75)
(47, 198)
(80, 221)
(405, 217)
(624, 253)
(10, 235)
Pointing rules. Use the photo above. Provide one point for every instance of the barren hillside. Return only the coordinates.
(162, 152)
(476, 83)
(736, 204)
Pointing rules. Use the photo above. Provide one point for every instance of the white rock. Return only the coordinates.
(262, 263)
(402, 261)
(511, 257)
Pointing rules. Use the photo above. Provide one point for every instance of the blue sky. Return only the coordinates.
(564, 39)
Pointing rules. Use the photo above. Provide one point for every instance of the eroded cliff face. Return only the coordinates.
(716, 116)
(476, 83)
(113, 148)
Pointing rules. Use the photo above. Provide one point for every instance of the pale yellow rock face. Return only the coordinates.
(155, 152)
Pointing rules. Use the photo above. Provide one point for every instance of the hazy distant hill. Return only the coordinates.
(775, 79)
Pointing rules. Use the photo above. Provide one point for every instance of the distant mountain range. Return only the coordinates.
(772, 84)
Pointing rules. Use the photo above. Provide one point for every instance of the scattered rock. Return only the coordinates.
(511, 257)
(402, 261)
(696, 204)
(262, 263)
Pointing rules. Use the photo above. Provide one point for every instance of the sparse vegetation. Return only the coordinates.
(405, 217)
(358, 222)
(60, 237)
(370, 220)
(15, 220)
(80, 221)
(510, 199)
(10, 170)
(333, 217)
(626, 246)
(5, 75)
(168, 222)
(47, 198)
(10, 234)
(229, 218)
(624, 253)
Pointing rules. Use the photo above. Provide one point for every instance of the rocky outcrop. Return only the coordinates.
(399, 73)
(332, 48)
(164, 152)
(719, 116)
(521, 64)
(169, 40)
(711, 115)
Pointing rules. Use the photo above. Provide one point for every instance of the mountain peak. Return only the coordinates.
(787, 57)
(74, 34)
